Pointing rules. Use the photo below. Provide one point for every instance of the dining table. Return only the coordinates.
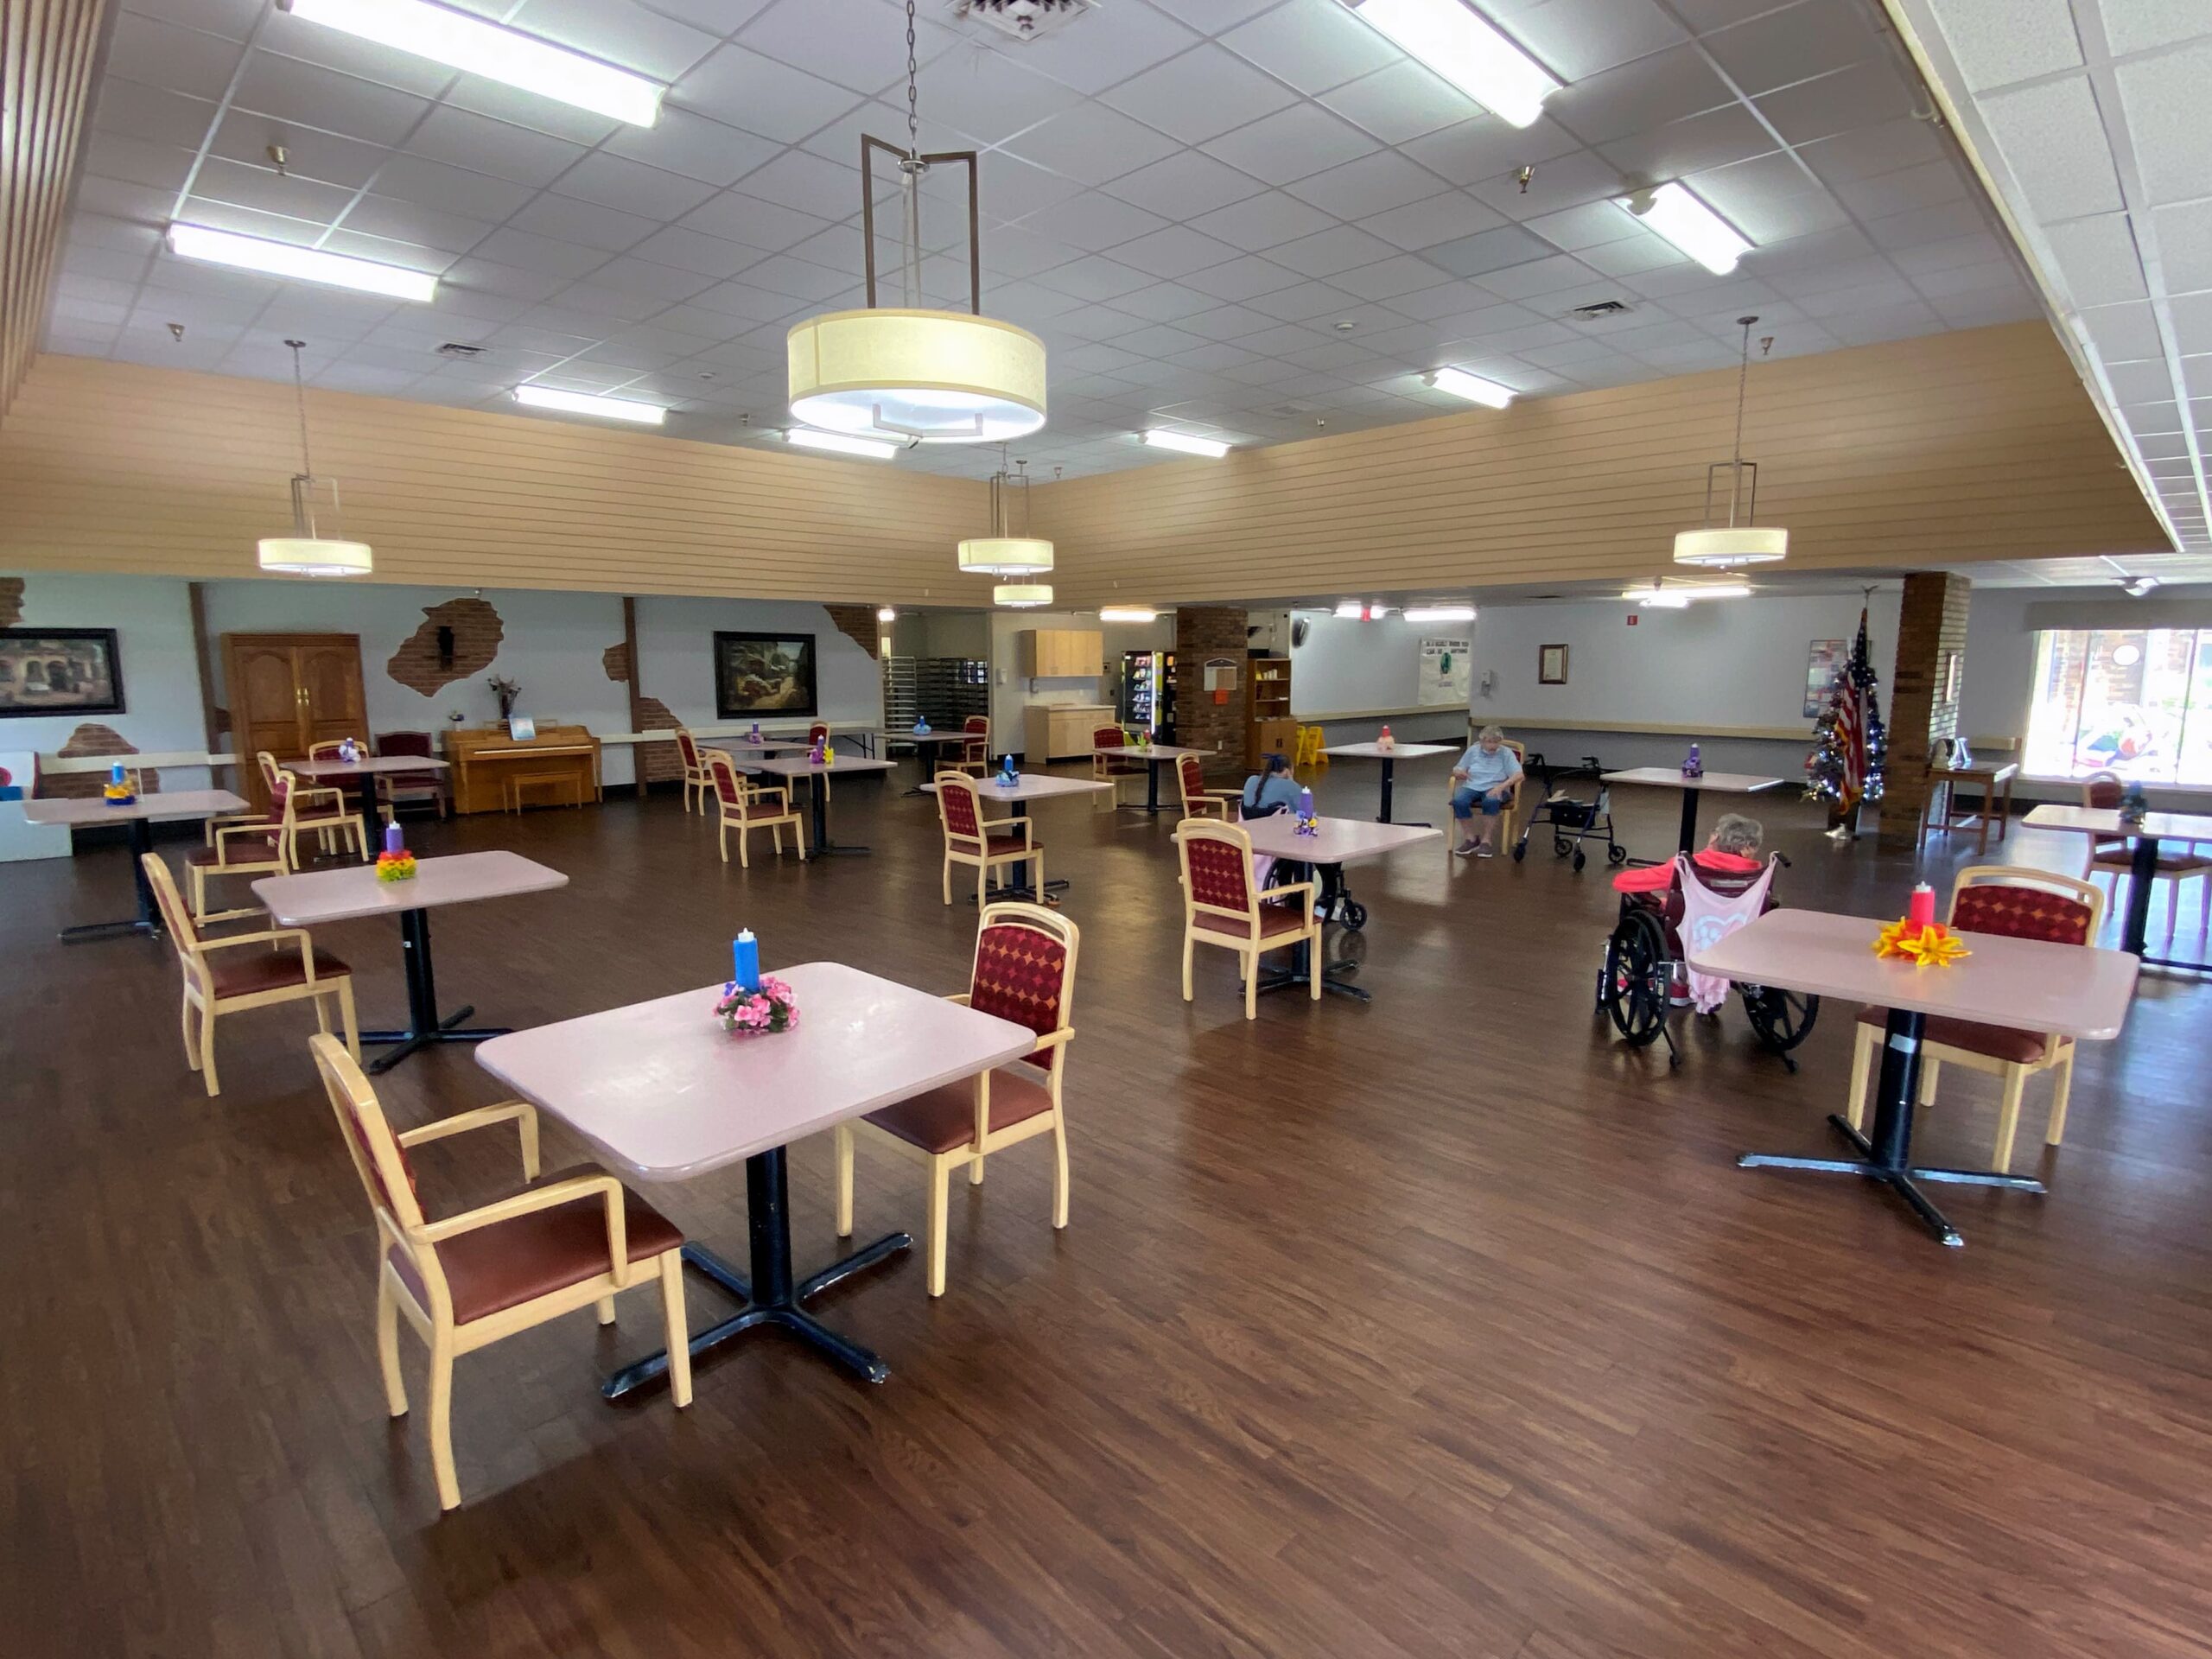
(1388, 755)
(138, 817)
(1026, 786)
(2072, 990)
(334, 771)
(664, 1095)
(1155, 756)
(2148, 835)
(793, 768)
(1333, 843)
(1693, 784)
(924, 743)
(314, 897)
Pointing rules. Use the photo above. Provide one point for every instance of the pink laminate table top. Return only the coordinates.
(1340, 841)
(663, 1093)
(157, 806)
(785, 765)
(1150, 752)
(1033, 786)
(2026, 984)
(1400, 751)
(934, 735)
(2105, 821)
(370, 763)
(1723, 783)
(340, 895)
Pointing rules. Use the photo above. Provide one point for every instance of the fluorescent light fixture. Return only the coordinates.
(1440, 612)
(1022, 595)
(496, 53)
(577, 402)
(1472, 387)
(1352, 610)
(885, 614)
(1466, 50)
(308, 264)
(1161, 438)
(1128, 614)
(1657, 598)
(842, 443)
(1688, 223)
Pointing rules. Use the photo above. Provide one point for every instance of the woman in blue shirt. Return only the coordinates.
(1271, 789)
(1484, 778)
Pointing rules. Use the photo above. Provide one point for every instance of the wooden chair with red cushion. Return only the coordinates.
(1198, 801)
(2013, 903)
(221, 979)
(247, 845)
(819, 733)
(744, 806)
(1024, 971)
(975, 753)
(1111, 768)
(1223, 905)
(395, 789)
(695, 771)
(986, 843)
(297, 806)
(2104, 791)
(571, 1241)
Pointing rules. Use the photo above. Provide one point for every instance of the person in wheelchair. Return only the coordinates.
(1729, 862)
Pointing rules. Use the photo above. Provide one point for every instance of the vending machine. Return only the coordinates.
(1147, 694)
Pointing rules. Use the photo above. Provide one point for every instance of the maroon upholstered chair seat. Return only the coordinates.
(489, 1269)
(943, 1120)
(999, 846)
(216, 858)
(248, 972)
(2021, 913)
(1273, 919)
(1998, 1042)
(2122, 859)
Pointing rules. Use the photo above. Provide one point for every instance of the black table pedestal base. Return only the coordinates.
(147, 921)
(1390, 777)
(1335, 977)
(767, 1297)
(424, 1028)
(1887, 1157)
(823, 847)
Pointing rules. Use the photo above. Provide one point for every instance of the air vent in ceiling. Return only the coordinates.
(1602, 309)
(1023, 20)
(459, 352)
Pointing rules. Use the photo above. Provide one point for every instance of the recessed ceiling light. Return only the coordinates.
(1440, 612)
(885, 614)
(576, 403)
(1128, 614)
(308, 264)
(1467, 50)
(1161, 438)
(499, 53)
(840, 442)
(1674, 213)
(1472, 387)
(1352, 610)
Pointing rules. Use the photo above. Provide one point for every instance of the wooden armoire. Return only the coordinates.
(287, 690)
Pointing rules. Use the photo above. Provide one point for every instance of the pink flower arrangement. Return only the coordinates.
(750, 1013)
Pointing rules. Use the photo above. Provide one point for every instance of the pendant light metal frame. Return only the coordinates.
(1001, 553)
(1712, 546)
(305, 552)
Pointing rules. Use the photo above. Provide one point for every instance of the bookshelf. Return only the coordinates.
(1268, 725)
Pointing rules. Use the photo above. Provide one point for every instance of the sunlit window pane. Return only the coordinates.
(2138, 702)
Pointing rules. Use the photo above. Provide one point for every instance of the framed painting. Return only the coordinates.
(1551, 665)
(59, 671)
(1823, 661)
(763, 674)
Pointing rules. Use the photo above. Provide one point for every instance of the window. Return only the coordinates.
(2136, 702)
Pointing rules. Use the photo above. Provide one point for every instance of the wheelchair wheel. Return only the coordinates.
(1616, 853)
(1560, 845)
(1352, 915)
(1579, 859)
(1781, 1018)
(1636, 978)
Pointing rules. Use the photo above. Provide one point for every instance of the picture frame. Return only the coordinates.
(760, 674)
(1824, 660)
(48, 671)
(1551, 665)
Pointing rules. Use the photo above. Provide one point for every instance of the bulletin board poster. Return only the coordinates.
(1823, 661)
(1445, 676)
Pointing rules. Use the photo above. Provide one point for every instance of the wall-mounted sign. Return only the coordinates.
(1445, 676)
(1221, 677)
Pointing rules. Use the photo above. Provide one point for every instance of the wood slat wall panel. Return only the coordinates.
(47, 52)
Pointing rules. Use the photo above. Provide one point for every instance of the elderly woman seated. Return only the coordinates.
(1729, 860)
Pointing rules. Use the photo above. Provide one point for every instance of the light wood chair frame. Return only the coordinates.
(2117, 859)
(389, 787)
(741, 816)
(401, 1226)
(983, 858)
(1220, 803)
(263, 853)
(1052, 1045)
(331, 833)
(977, 728)
(2057, 1052)
(199, 994)
(1112, 768)
(1250, 946)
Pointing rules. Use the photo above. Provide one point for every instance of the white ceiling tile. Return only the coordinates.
(291, 91)
(1400, 102)
(1164, 301)
(1843, 100)
(1312, 44)
(1896, 193)
(150, 113)
(566, 219)
(539, 253)
(1640, 253)
(865, 51)
(1291, 145)
(236, 19)
(1871, 151)
(2000, 41)
(1577, 39)
(666, 283)
(1299, 304)
(806, 184)
(2184, 242)
(617, 181)
(1647, 93)
(1093, 143)
(1090, 60)
(451, 190)
(1174, 252)
(1199, 95)
(2143, 25)
(767, 226)
(1093, 223)
(1563, 182)
(1185, 185)
(1774, 50)
(161, 168)
(1928, 225)
(2140, 383)
(1423, 224)
(760, 95)
(349, 54)
(1693, 144)
(620, 32)
(1982, 248)
(1263, 221)
(1094, 278)
(2162, 97)
(1241, 279)
(1340, 248)
(1372, 185)
(2054, 142)
(1387, 278)
(2097, 258)
(1487, 148)
(406, 221)
(1530, 282)
(680, 142)
(159, 54)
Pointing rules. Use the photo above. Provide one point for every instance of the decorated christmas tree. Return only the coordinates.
(1850, 743)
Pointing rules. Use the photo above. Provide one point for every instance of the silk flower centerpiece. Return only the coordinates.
(772, 1008)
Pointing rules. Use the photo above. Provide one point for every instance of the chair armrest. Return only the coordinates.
(1028, 836)
(298, 935)
(606, 1187)
(1053, 1039)
(960, 997)
(521, 1111)
(1305, 889)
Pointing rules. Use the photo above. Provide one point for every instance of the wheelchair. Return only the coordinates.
(1644, 975)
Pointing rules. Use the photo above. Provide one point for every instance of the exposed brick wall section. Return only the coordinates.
(615, 659)
(1932, 630)
(657, 763)
(857, 623)
(477, 632)
(11, 601)
(92, 738)
(1215, 631)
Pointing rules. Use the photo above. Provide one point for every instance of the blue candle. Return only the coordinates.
(115, 773)
(745, 961)
(1305, 803)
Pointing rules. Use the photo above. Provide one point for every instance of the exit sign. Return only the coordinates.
(1632, 619)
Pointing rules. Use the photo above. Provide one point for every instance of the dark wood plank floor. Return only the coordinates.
(1444, 1327)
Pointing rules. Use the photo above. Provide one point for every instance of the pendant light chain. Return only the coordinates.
(299, 388)
(910, 179)
(913, 125)
(1736, 454)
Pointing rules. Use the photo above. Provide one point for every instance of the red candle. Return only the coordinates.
(1923, 906)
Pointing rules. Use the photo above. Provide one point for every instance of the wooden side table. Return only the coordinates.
(1995, 799)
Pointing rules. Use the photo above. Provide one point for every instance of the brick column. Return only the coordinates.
(1923, 708)
(1203, 631)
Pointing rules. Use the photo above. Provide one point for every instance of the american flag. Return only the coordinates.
(1850, 722)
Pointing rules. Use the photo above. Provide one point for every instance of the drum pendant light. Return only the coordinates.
(305, 553)
(908, 372)
(1732, 543)
(1001, 553)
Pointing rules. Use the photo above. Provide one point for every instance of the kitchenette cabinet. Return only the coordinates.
(1057, 730)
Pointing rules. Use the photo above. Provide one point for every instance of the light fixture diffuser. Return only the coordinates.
(306, 264)
(1673, 212)
(885, 614)
(841, 443)
(577, 402)
(1128, 614)
(1005, 555)
(307, 551)
(1440, 612)
(1184, 443)
(1022, 595)
(1472, 387)
(1720, 547)
(493, 51)
(1467, 50)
